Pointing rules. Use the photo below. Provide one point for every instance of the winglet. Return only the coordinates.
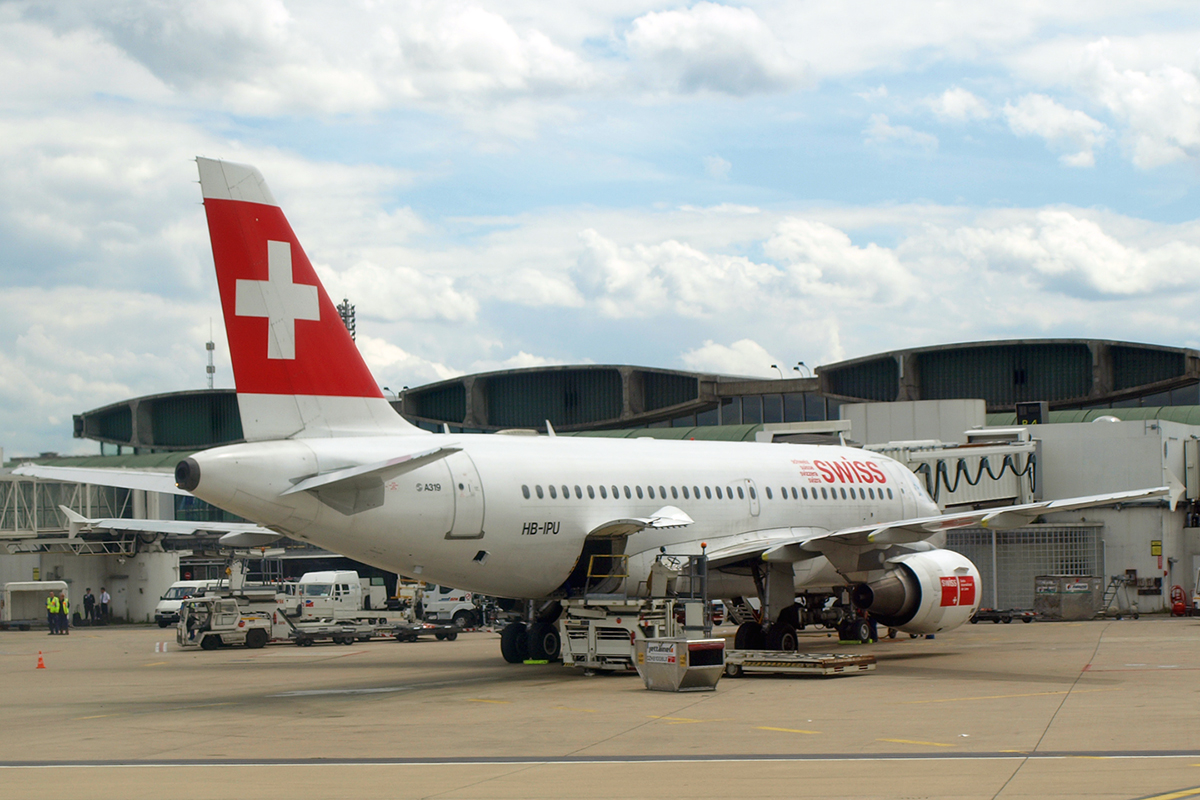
(75, 522)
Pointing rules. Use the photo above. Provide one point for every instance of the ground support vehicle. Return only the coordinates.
(774, 662)
(449, 605)
(410, 632)
(306, 634)
(1006, 615)
(212, 622)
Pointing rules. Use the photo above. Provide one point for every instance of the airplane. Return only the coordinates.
(327, 460)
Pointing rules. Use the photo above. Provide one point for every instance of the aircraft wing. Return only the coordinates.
(145, 480)
(799, 544)
(1003, 518)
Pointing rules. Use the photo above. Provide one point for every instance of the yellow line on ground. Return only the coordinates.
(568, 708)
(1005, 696)
(686, 720)
(155, 664)
(912, 741)
(786, 730)
(497, 702)
(97, 716)
(1193, 792)
(208, 705)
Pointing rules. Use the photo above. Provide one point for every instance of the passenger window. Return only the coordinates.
(769, 493)
(639, 492)
(566, 493)
(824, 496)
(741, 494)
(525, 491)
(629, 494)
(843, 493)
(675, 493)
(871, 493)
(685, 494)
(603, 492)
(579, 492)
(753, 493)
(592, 492)
(617, 494)
(729, 492)
(708, 492)
(662, 492)
(538, 489)
(650, 490)
(695, 491)
(889, 493)
(719, 496)
(553, 493)
(783, 493)
(803, 492)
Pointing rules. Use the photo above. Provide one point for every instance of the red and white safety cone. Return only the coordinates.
(41, 663)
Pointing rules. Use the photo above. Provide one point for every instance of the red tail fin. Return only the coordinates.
(297, 371)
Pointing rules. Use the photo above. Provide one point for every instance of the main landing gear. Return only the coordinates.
(536, 641)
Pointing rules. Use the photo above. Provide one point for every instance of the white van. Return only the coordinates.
(167, 611)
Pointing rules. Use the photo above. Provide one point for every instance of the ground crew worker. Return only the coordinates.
(52, 608)
(64, 615)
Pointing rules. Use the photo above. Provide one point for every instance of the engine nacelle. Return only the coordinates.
(927, 592)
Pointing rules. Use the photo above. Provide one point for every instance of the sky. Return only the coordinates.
(706, 186)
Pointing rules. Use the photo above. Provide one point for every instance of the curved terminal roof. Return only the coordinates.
(1068, 373)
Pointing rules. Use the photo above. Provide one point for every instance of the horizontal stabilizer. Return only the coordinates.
(356, 489)
(144, 480)
(78, 522)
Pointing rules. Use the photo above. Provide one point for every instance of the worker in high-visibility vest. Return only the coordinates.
(64, 614)
(53, 606)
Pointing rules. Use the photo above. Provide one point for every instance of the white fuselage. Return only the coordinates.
(508, 515)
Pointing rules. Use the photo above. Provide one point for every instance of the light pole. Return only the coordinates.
(777, 369)
(800, 364)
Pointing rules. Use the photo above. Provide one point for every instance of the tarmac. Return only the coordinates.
(1103, 709)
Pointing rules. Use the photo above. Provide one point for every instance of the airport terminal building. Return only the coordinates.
(1097, 416)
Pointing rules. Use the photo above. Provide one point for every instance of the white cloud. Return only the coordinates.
(1064, 252)
(717, 167)
(880, 131)
(715, 48)
(958, 105)
(402, 368)
(1159, 108)
(1062, 128)
(823, 262)
(743, 357)
(670, 277)
(399, 293)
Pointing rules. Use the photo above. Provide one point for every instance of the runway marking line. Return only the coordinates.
(497, 702)
(686, 720)
(913, 741)
(155, 664)
(1192, 792)
(1005, 696)
(568, 708)
(786, 730)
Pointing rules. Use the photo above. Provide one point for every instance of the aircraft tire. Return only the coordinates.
(749, 636)
(544, 642)
(514, 644)
(782, 636)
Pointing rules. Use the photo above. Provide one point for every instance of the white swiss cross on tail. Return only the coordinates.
(280, 300)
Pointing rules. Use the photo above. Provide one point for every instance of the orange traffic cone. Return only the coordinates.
(41, 663)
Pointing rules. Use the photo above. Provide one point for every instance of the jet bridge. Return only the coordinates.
(996, 466)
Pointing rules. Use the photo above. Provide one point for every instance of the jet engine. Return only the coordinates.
(925, 592)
